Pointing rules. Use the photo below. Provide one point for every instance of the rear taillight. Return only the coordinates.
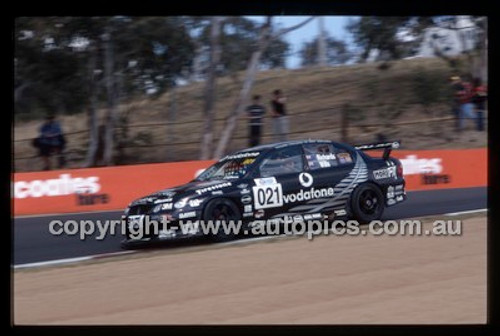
(400, 170)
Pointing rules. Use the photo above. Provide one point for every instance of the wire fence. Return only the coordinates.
(334, 108)
(374, 127)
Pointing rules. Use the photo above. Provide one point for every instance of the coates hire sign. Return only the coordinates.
(65, 184)
(113, 188)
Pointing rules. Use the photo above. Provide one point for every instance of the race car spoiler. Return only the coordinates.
(387, 146)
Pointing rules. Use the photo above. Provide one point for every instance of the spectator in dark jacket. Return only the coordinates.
(255, 113)
(280, 118)
(51, 141)
(479, 97)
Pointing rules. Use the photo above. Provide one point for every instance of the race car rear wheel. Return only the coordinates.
(367, 203)
(221, 209)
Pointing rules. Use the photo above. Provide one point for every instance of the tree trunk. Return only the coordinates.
(171, 116)
(345, 123)
(90, 160)
(197, 62)
(110, 90)
(484, 53)
(265, 38)
(210, 90)
(321, 43)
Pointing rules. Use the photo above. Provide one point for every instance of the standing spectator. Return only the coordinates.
(51, 140)
(255, 113)
(280, 119)
(463, 94)
(479, 97)
(456, 86)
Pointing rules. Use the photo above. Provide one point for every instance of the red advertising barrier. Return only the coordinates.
(92, 189)
(112, 188)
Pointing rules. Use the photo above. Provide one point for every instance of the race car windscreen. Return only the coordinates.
(230, 167)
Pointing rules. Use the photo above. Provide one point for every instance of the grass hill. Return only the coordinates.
(399, 102)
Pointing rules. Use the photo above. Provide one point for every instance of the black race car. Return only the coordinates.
(310, 179)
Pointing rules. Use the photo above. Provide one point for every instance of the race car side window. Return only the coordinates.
(325, 155)
(320, 156)
(282, 161)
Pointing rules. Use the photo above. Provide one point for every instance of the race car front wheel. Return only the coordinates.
(367, 203)
(222, 211)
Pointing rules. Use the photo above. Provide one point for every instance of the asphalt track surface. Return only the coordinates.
(34, 243)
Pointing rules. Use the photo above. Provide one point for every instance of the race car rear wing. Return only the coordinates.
(387, 146)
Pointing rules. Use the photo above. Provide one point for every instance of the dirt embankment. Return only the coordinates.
(330, 280)
(389, 100)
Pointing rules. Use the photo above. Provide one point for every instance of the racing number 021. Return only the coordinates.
(268, 196)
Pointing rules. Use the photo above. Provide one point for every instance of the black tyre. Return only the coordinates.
(221, 209)
(367, 203)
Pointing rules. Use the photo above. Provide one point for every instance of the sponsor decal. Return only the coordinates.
(214, 187)
(399, 198)
(164, 206)
(135, 221)
(218, 192)
(245, 191)
(181, 203)
(247, 161)
(399, 187)
(259, 213)
(242, 185)
(245, 214)
(312, 216)
(241, 156)
(391, 201)
(195, 203)
(344, 157)
(168, 193)
(340, 212)
(168, 233)
(306, 179)
(436, 179)
(246, 199)
(189, 214)
(413, 165)
(308, 195)
(248, 208)
(64, 185)
(330, 156)
(385, 173)
(324, 164)
(390, 192)
(163, 200)
(265, 181)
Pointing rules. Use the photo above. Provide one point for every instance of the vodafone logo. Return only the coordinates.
(64, 185)
(305, 179)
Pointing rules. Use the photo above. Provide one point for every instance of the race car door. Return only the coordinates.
(327, 165)
(278, 183)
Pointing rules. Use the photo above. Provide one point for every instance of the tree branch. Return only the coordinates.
(289, 29)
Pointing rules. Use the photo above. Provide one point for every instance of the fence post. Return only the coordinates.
(344, 122)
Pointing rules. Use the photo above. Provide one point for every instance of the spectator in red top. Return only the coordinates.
(463, 94)
(479, 97)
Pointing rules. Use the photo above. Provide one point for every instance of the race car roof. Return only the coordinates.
(266, 147)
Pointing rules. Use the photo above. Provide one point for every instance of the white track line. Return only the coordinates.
(71, 260)
(465, 212)
(67, 213)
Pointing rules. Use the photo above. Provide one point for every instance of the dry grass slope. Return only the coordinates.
(316, 98)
